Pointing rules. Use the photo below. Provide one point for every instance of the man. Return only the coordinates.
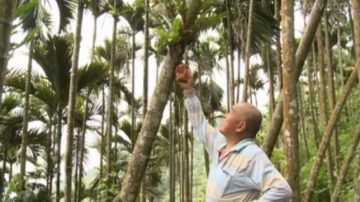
(240, 170)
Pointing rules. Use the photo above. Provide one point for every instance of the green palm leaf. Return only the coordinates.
(54, 57)
(92, 75)
(66, 10)
(33, 14)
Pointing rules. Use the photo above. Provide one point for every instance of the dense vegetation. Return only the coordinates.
(78, 131)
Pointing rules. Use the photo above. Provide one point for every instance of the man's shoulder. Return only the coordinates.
(253, 150)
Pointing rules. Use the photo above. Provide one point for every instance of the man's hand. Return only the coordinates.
(183, 77)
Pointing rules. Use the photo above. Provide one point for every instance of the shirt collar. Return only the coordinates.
(239, 146)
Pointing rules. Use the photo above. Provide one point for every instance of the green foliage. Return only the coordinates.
(33, 192)
(168, 36)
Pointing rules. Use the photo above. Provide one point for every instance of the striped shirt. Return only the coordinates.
(244, 174)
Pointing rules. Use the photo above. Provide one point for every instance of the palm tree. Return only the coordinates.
(33, 20)
(247, 51)
(54, 57)
(12, 112)
(322, 97)
(229, 50)
(300, 56)
(134, 16)
(26, 119)
(7, 13)
(10, 102)
(146, 77)
(97, 70)
(72, 101)
(110, 100)
(97, 8)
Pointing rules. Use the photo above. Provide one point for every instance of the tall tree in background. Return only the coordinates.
(247, 52)
(229, 50)
(33, 23)
(110, 97)
(71, 103)
(97, 7)
(302, 51)
(26, 118)
(323, 97)
(146, 78)
(7, 12)
(290, 108)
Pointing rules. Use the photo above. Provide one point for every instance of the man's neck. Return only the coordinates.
(233, 140)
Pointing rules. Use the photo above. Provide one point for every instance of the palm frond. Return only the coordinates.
(54, 57)
(66, 10)
(33, 15)
(97, 7)
(92, 74)
(9, 102)
(204, 22)
(134, 16)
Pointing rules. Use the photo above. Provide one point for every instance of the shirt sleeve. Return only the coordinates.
(200, 124)
(267, 179)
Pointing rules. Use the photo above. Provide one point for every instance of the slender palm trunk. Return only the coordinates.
(26, 119)
(238, 73)
(186, 157)
(71, 103)
(330, 84)
(271, 79)
(95, 17)
(180, 154)
(102, 140)
(277, 5)
(228, 77)
(339, 48)
(133, 121)
(58, 150)
(323, 102)
(312, 98)
(346, 164)
(82, 147)
(146, 58)
(77, 164)
(290, 107)
(50, 162)
(145, 81)
(191, 164)
(247, 52)
(231, 52)
(302, 121)
(2, 174)
(110, 106)
(301, 54)
(7, 11)
(172, 154)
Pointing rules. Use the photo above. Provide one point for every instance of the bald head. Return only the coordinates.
(251, 115)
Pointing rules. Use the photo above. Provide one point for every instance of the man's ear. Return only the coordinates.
(241, 126)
